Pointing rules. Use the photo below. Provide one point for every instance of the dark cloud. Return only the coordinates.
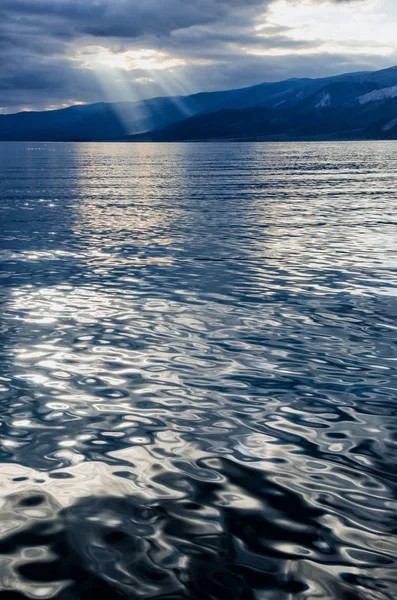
(38, 39)
(126, 18)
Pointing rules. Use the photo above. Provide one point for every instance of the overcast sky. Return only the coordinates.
(54, 53)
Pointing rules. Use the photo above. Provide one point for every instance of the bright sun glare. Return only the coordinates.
(98, 57)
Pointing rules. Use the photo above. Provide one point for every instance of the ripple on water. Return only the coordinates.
(198, 371)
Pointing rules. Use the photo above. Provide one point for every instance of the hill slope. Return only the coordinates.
(291, 108)
(339, 110)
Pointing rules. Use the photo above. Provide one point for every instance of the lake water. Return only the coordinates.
(198, 371)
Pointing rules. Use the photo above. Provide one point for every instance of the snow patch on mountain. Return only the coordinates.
(390, 125)
(325, 100)
(377, 95)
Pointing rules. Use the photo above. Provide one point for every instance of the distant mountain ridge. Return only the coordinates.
(350, 106)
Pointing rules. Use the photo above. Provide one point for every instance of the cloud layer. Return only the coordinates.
(201, 45)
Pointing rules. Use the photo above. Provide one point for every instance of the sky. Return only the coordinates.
(55, 53)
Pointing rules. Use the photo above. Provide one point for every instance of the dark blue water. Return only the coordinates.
(198, 371)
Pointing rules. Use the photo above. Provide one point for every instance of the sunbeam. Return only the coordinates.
(132, 76)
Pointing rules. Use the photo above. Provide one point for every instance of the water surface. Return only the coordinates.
(198, 371)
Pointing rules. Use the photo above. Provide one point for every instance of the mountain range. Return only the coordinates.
(350, 106)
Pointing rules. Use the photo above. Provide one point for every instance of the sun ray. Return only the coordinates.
(132, 76)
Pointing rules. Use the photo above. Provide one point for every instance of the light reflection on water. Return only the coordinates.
(198, 370)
